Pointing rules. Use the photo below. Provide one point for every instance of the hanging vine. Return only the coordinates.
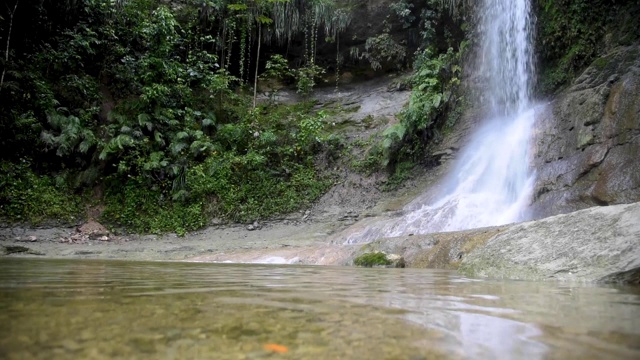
(231, 39)
(339, 21)
(243, 46)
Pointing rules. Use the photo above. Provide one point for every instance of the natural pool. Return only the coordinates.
(88, 309)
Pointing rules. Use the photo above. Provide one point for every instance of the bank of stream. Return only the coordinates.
(592, 245)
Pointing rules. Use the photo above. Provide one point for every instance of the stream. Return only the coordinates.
(64, 309)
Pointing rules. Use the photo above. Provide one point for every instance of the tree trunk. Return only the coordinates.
(255, 80)
(6, 53)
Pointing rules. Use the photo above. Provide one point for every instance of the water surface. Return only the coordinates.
(76, 309)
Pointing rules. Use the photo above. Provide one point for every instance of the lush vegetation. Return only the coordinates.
(571, 34)
(32, 198)
(151, 107)
(436, 102)
(154, 104)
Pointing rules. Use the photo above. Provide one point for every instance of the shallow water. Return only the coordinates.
(64, 309)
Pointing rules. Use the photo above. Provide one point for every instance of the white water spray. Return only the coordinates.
(492, 182)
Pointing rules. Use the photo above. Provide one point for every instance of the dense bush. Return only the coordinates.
(435, 101)
(29, 197)
(571, 35)
(141, 99)
(433, 107)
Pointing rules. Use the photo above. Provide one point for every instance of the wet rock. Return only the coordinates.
(596, 244)
(26, 239)
(396, 260)
(91, 230)
(349, 216)
(588, 139)
(71, 345)
(16, 249)
(379, 259)
(443, 156)
(87, 252)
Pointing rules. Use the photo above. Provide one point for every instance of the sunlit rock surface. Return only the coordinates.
(596, 244)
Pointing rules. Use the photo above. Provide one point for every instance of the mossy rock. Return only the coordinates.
(600, 63)
(379, 259)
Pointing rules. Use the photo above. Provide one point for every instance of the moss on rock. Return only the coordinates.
(372, 259)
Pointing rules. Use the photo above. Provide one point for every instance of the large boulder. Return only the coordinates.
(596, 244)
(599, 244)
(588, 139)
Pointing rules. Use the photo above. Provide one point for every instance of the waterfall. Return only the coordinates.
(507, 54)
(491, 183)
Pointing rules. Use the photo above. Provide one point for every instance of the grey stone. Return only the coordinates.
(254, 226)
(596, 244)
(397, 261)
(588, 139)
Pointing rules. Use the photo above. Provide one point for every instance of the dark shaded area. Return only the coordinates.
(629, 277)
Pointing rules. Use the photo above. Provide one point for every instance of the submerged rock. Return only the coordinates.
(596, 244)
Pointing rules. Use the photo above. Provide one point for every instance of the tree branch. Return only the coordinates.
(6, 53)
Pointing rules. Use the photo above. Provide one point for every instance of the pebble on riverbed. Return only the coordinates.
(254, 226)
(92, 230)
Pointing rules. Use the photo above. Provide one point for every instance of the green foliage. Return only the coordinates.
(372, 259)
(402, 9)
(30, 198)
(257, 168)
(277, 67)
(434, 83)
(371, 162)
(433, 106)
(276, 167)
(571, 32)
(306, 78)
(393, 138)
(402, 173)
(381, 50)
(138, 97)
(142, 206)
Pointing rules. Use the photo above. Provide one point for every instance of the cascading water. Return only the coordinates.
(492, 182)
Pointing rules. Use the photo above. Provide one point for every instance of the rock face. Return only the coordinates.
(596, 244)
(589, 139)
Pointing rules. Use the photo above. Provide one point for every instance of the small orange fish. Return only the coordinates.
(276, 348)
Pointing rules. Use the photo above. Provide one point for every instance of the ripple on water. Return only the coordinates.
(116, 310)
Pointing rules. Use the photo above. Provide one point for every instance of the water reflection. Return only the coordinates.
(107, 310)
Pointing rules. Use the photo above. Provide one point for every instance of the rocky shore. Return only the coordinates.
(597, 244)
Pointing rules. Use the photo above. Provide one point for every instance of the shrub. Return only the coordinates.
(28, 197)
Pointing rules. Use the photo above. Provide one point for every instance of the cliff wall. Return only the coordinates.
(588, 138)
